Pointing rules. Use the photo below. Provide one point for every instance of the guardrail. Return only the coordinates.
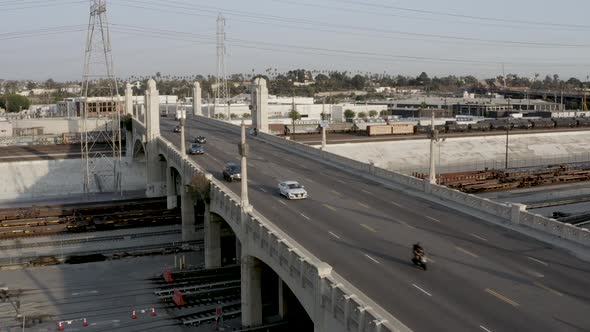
(512, 214)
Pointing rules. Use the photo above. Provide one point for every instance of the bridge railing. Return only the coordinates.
(342, 304)
(494, 210)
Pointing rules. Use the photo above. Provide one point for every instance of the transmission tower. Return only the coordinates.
(221, 91)
(100, 167)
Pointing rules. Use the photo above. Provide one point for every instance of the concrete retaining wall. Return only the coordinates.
(59, 126)
(44, 178)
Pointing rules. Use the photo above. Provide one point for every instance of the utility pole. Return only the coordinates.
(507, 130)
(182, 119)
(433, 138)
(244, 151)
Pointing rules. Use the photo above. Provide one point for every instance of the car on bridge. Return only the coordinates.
(232, 172)
(200, 139)
(177, 129)
(292, 190)
(196, 149)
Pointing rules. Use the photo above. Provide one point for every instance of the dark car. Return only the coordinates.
(177, 129)
(232, 172)
(196, 149)
(200, 139)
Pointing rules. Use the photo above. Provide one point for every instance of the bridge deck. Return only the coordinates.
(481, 276)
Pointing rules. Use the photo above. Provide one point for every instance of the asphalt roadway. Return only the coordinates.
(481, 277)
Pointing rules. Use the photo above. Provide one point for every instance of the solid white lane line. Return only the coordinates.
(373, 259)
(538, 261)
(263, 190)
(363, 205)
(335, 192)
(478, 237)
(334, 235)
(309, 180)
(394, 203)
(304, 216)
(466, 252)
(371, 229)
(366, 192)
(423, 291)
(324, 174)
(281, 202)
(340, 181)
(433, 219)
(485, 328)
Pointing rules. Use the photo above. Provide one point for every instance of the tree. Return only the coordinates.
(294, 116)
(349, 114)
(373, 113)
(31, 85)
(220, 116)
(246, 116)
(233, 116)
(362, 115)
(15, 103)
(383, 113)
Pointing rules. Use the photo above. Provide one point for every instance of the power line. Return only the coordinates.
(428, 19)
(241, 43)
(279, 20)
(472, 17)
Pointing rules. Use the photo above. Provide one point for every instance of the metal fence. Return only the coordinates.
(480, 165)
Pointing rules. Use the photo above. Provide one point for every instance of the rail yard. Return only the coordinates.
(86, 217)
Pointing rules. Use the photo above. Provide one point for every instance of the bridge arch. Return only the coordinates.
(138, 150)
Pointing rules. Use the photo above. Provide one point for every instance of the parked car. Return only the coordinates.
(200, 139)
(292, 190)
(232, 172)
(177, 129)
(196, 149)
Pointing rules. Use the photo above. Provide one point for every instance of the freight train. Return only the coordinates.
(394, 128)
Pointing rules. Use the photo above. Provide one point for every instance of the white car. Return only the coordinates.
(292, 190)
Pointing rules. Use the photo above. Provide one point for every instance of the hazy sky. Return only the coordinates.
(42, 39)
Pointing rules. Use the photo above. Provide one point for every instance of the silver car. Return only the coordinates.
(292, 190)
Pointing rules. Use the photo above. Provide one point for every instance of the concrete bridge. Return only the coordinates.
(275, 266)
(331, 302)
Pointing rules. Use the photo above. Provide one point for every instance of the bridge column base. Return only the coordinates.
(188, 215)
(251, 291)
(212, 240)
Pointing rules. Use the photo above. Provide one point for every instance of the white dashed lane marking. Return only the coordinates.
(373, 259)
(423, 291)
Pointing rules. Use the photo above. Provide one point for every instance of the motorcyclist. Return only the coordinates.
(418, 250)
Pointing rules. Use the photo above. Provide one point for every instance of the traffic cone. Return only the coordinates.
(153, 312)
(60, 326)
(133, 315)
(85, 323)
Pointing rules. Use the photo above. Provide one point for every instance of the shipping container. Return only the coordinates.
(402, 129)
(377, 130)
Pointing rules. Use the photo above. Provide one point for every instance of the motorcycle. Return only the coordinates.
(420, 260)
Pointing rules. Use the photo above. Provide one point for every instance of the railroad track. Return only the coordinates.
(88, 240)
(135, 250)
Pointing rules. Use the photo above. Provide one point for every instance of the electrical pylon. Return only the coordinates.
(221, 90)
(100, 168)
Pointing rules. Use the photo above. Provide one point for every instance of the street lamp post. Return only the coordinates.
(244, 151)
(507, 131)
(181, 114)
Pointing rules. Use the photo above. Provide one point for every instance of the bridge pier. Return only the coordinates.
(282, 304)
(251, 272)
(152, 125)
(212, 229)
(171, 196)
(187, 203)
